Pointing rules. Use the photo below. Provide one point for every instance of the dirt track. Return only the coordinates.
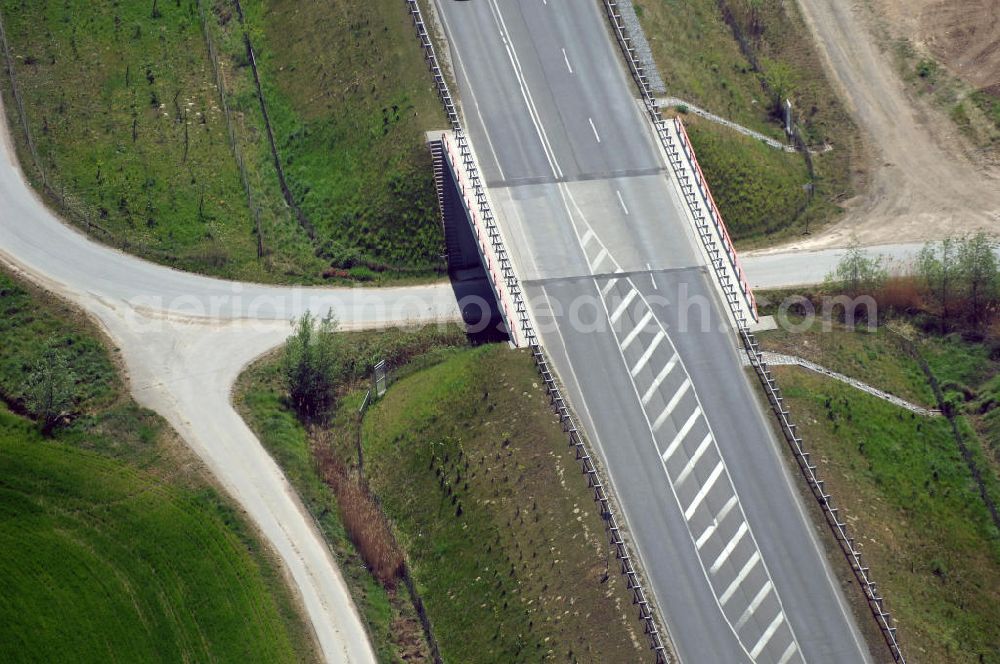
(920, 183)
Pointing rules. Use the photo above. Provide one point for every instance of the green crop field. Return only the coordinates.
(700, 58)
(116, 546)
(124, 108)
(103, 562)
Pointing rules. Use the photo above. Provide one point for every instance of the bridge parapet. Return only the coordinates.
(710, 227)
(457, 157)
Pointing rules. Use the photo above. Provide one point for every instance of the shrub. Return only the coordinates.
(50, 389)
(311, 367)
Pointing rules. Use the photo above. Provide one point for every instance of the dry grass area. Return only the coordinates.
(364, 521)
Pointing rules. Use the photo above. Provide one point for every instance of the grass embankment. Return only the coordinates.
(349, 98)
(903, 485)
(701, 60)
(756, 187)
(499, 531)
(874, 357)
(116, 547)
(260, 398)
(123, 106)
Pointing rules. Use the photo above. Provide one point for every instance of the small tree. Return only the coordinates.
(977, 266)
(50, 389)
(937, 267)
(778, 78)
(858, 273)
(311, 366)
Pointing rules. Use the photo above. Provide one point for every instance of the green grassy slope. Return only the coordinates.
(500, 532)
(755, 186)
(701, 61)
(913, 506)
(874, 357)
(116, 547)
(350, 99)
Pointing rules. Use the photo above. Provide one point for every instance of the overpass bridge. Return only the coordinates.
(595, 248)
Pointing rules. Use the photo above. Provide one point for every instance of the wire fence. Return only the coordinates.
(526, 335)
(234, 143)
(862, 573)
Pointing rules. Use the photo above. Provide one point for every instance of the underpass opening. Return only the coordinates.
(470, 281)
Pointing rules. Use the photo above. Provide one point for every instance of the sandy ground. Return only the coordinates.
(920, 184)
(962, 34)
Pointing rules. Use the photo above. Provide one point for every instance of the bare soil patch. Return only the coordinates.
(921, 182)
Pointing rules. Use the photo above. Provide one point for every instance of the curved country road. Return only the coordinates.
(184, 340)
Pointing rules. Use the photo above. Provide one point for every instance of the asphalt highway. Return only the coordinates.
(623, 302)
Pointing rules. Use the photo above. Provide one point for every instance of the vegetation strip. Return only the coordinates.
(974, 469)
(764, 194)
(220, 83)
(646, 612)
(307, 225)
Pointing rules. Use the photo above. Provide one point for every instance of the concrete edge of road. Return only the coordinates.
(661, 647)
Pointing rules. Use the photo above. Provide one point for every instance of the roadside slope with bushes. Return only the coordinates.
(470, 495)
